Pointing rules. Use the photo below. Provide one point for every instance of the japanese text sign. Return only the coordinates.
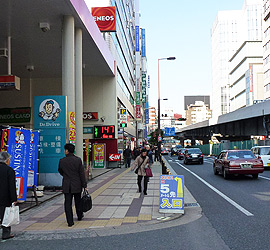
(171, 194)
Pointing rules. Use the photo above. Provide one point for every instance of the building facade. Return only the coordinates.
(266, 47)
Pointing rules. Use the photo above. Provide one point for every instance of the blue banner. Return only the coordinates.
(33, 160)
(143, 43)
(171, 194)
(169, 131)
(137, 38)
(19, 148)
(146, 113)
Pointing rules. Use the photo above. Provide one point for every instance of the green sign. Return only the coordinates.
(138, 98)
(88, 130)
(15, 115)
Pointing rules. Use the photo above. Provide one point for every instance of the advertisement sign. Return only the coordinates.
(105, 18)
(87, 154)
(138, 111)
(18, 148)
(250, 79)
(137, 38)
(144, 88)
(143, 43)
(88, 130)
(99, 155)
(4, 140)
(104, 132)
(33, 160)
(146, 113)
(114, 157)
(171, 194)
(9, 82)
(50, 112)
(15, 115)
(90, 116)
(71, 127)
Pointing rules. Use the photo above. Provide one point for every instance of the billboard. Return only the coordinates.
(105, 18)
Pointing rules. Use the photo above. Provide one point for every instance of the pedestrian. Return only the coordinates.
(140, 163)
(157, 158)
(8, 195)
(71, 168)
(150, 155)
(136, 152)
(127, 156)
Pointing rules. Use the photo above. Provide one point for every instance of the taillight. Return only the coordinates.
(187, 155)
(201, 155)
(259, 157)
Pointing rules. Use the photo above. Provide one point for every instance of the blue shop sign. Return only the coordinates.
(50, 112)
(171, 194)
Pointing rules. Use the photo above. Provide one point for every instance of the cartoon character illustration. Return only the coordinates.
(50, 110)
(19, 137)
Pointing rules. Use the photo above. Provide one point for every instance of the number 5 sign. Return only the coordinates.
(171, 194)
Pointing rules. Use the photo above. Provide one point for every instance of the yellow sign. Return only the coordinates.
(99, 155)
(72, 127)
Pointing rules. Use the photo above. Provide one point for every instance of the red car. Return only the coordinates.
(230, 162)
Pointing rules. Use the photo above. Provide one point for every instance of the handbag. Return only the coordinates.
(148, 172)
(11, 216)
(86, 201)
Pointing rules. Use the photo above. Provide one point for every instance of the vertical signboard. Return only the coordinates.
(50, 119)
(137, 38)
(144, 88)
(71, 127)
(33, 159)
(147, 113)
(143, 43)
(171, 194)
(99, 155)
(4, 140)
(18, 148)
(250, 78)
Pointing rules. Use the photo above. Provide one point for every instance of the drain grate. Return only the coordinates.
(192, 205)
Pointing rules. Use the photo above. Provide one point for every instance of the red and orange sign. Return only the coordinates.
(105, 18)
(72, 127)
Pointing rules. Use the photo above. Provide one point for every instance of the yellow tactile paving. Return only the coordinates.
(114, 222)
(145, 217)
(99, 223)
(83, 224)
(130, 220)
(36, 226)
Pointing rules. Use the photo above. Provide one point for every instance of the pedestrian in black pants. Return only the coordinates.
(127, 156)
(8, 195)
(70, 167)
(139, 165)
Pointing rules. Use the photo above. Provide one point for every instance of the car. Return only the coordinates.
(241, 162)
(164, 151)
(193, 155)
(174, 151)
(263, 153)
(181, 154)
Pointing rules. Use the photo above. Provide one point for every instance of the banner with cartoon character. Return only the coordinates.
(33, 160)
(18, 148)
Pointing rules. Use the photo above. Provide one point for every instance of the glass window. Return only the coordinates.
(265, 151)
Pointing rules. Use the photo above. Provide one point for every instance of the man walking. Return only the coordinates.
(127, 156)
(8, 193)
(70, 167)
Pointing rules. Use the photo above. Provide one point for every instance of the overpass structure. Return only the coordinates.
(238, 125)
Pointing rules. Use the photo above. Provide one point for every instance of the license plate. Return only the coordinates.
(246, 165)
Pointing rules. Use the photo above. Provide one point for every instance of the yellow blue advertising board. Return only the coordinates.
(171, 194)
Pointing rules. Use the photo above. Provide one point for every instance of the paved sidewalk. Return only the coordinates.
(116, 202)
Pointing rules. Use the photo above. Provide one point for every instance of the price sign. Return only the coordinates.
(171, 194)
(104, 132)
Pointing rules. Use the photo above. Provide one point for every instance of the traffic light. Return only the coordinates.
(182, 119)
(123, 125)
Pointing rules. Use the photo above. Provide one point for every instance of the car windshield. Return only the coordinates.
(194, 151)
(240, 155)
(265, 151)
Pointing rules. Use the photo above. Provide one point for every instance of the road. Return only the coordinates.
(238, 208)
(235, 215)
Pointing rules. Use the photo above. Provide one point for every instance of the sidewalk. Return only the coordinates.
(115, 203)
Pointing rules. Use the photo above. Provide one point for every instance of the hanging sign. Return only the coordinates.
(72, 127)
(99, 155)
(105, 18)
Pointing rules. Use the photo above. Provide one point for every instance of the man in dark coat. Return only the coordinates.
(8, 193)
(70, 167)
(127, 156)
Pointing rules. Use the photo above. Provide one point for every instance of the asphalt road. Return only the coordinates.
(238, 208)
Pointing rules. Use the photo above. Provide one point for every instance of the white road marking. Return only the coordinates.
(263, 177)
(243, 210)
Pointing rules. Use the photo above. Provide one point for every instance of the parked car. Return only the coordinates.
(164, 151)
(174, 151)
(181, 154)
(263, 153)
(193, 155)
(231, 162)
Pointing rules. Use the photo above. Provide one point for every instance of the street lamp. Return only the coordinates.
(159, 131)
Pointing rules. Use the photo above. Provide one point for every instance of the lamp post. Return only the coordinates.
(159, 131)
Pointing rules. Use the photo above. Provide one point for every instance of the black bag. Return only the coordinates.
(86, 201)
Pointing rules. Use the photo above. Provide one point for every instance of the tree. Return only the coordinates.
(154, 137)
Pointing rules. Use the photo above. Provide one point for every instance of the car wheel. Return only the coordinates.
(255, 176)
(185, 162)
(201, 162)
(215, 170)
(225, 174)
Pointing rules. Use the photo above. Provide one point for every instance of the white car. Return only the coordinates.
(262, 152)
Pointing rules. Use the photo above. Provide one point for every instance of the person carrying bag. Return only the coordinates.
(8, 195)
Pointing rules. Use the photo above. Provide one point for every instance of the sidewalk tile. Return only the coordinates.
(120, 212)
(107, 213)
(146, 210)
(99, 223)
(114, 222)
(145, 217)
(130, 219)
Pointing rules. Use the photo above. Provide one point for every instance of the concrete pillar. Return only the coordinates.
(78, 93)
(68, 86)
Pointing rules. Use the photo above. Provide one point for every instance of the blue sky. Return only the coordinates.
(180, 28)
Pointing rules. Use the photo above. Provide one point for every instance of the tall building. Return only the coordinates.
(192, 99)
(230, 30)
(266, 47)
(197, 112)
(152, 118)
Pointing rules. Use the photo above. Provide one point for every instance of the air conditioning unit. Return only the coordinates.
(3, 52)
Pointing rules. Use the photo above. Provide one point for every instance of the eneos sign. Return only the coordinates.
(104, 18)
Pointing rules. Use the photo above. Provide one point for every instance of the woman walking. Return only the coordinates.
(140, 164)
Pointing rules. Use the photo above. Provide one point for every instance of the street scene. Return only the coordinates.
(128, 124)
